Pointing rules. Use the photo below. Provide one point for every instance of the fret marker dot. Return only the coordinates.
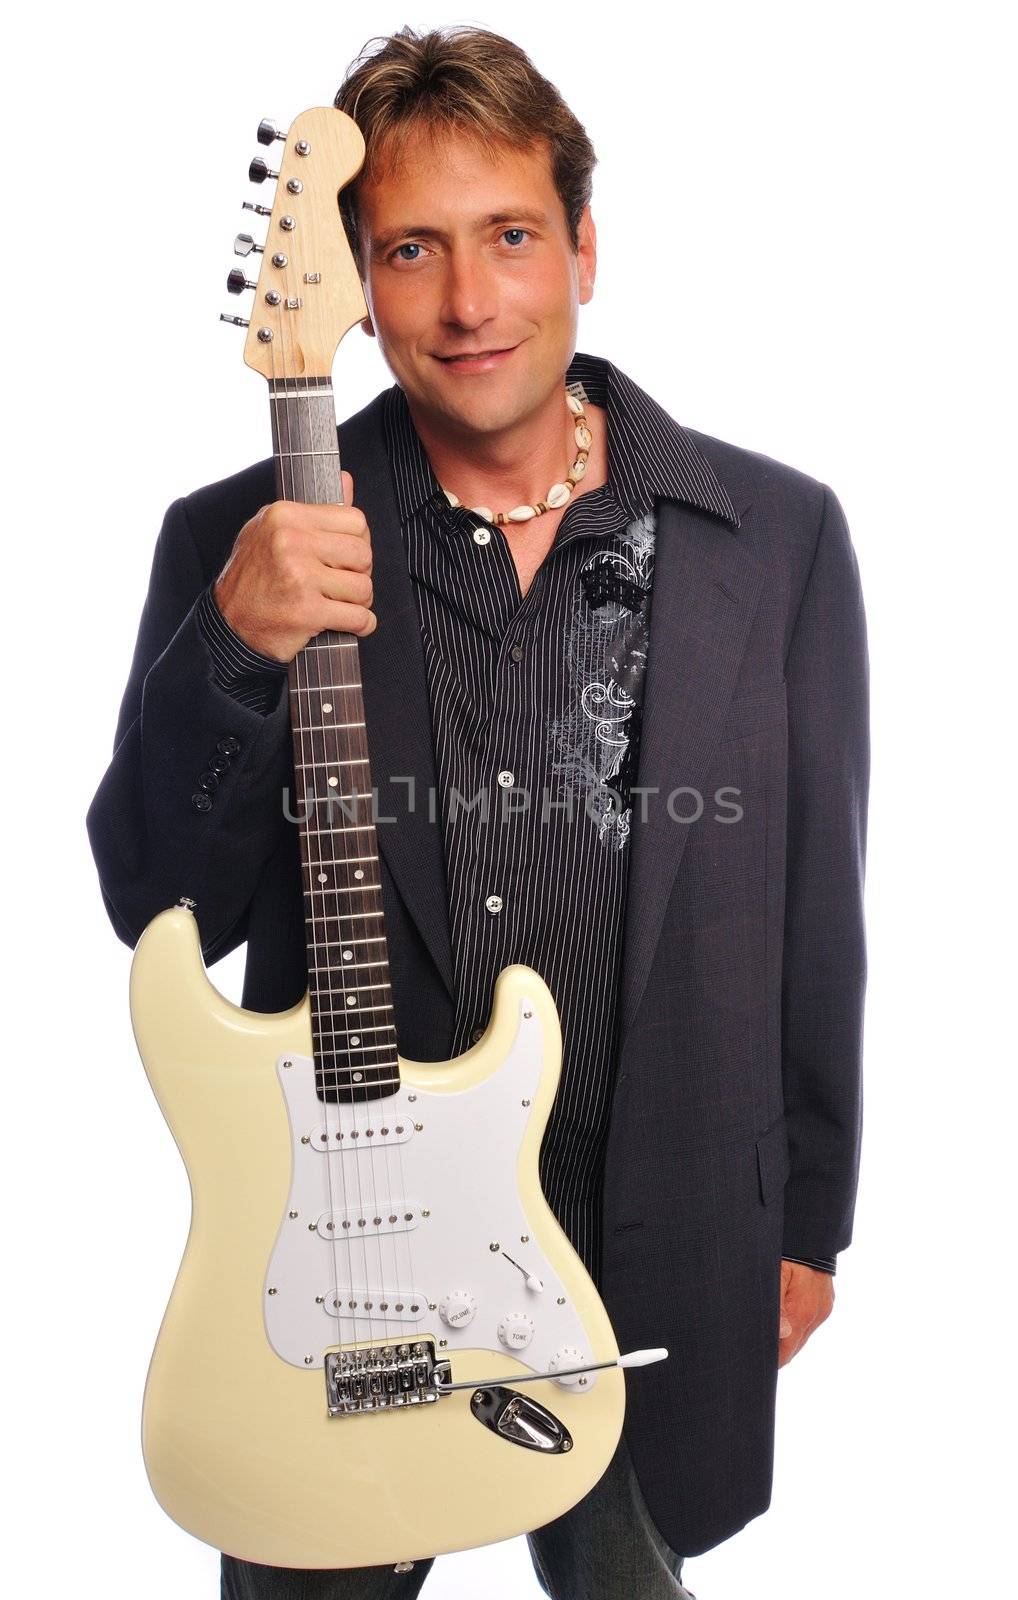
(327, 705)
(347, 955)
(323, 877)
(333, 782)
(355, 1038)
(351, 999)
(357, 1077)
(359, 872)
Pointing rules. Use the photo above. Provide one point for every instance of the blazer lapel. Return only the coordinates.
(705, 591)
(396, 701)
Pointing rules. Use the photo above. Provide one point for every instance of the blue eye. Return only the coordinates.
(409, 246)
(521, 231)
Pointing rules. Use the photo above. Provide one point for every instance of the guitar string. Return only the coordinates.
(356, 939)
(291, 408)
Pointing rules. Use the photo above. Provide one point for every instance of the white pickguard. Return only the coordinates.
(424, 1203)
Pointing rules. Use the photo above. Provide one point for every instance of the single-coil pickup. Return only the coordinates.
(369, 1221)
(389, 1130)
(395, 1305)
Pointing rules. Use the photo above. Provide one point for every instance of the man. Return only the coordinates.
(654, 642)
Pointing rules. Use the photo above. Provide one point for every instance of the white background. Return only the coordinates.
(802, 214)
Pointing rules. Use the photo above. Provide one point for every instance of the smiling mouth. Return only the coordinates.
(476, 355)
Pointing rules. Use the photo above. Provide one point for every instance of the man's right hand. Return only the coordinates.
(296, 570)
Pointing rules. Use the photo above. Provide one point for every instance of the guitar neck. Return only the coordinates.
(350, 994)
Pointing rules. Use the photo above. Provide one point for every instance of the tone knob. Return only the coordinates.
(516, 1330)
(568, 1357)
(458, 1308)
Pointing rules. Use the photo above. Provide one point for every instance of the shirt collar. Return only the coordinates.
(649, 455)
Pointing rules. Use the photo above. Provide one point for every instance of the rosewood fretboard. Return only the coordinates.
(352, 1018)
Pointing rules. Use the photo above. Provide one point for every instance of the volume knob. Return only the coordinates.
(458, 1308)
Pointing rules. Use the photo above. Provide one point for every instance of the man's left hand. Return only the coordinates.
(807, 1300)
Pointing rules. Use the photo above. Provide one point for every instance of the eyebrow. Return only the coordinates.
(385, 241)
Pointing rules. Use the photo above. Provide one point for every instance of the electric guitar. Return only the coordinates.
(380, 1344)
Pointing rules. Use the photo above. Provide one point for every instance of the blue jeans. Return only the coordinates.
(605, 1548)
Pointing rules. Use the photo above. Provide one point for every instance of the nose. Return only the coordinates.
(470, 297)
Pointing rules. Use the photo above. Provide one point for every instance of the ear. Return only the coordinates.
(586, 256)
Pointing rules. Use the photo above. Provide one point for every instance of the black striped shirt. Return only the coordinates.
(536, 705)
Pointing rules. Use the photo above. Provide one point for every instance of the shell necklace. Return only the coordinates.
(559, 493)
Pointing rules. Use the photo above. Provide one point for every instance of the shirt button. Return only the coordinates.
(478, 1033)
(517, 652)
(493, 903)
(507, 779)
(482, 535)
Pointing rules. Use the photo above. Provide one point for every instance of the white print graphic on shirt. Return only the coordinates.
(598, 735)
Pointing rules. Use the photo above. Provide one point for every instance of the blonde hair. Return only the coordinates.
(465, 80)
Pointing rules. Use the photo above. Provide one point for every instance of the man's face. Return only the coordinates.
(463, 253)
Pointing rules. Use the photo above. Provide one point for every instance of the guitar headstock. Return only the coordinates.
(308, 293)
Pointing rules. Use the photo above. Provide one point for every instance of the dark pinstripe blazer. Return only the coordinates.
(737, 1110)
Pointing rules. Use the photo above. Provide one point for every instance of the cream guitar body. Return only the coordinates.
(241, 1446)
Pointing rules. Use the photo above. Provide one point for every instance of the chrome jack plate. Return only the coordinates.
(520, 1420)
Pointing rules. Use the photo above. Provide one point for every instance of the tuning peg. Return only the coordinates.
(258, 171)
(243, 245)
(267, 132)
(238, 322)
(236, 282)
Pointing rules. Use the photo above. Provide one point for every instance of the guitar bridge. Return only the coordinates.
(382, 1377)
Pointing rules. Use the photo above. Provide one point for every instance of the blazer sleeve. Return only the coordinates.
(192, 802)
(824, 957)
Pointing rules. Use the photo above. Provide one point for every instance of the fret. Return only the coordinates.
(358, 966)
(308, 453)
(384, 1006)
(358, 1093)
(326, 763)
(383, 1044)
(371, 1027)
(339, 1084)
(353, 827)
(332, 916)
(340, 644)
(361, 988)
(349, 760)
(333, 834)
(312, 915)
(342, 861)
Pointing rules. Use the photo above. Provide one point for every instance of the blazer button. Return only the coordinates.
(201, 801)
(208, 781)
(219, 765)
(228, 746)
